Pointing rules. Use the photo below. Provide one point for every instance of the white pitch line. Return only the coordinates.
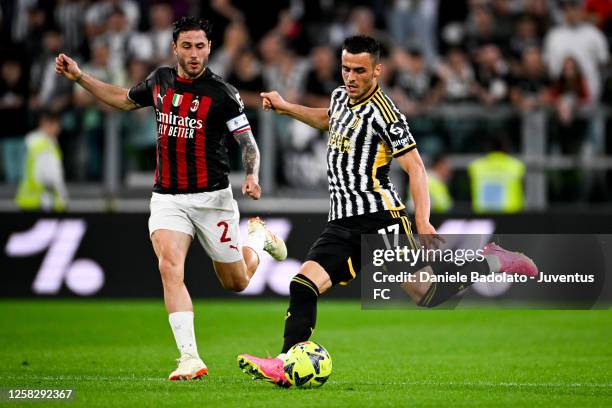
(434, 383)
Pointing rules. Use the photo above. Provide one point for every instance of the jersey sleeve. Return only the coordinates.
(396, 132)
(233, 109)
(142, 93)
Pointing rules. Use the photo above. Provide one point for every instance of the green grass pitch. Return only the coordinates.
(118, 353)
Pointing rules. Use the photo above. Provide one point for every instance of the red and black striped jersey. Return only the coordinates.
(194, 118)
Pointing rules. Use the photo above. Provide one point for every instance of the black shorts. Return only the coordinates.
(338, 248)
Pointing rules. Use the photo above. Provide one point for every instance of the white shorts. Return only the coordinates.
(212, 216)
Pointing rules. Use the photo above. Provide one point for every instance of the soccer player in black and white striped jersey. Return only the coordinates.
(366, 130)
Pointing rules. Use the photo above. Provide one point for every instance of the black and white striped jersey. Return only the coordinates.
(363, 138)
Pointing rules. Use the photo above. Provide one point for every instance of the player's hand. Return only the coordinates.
(428, 236)
(66, 66)
(251, 187)
(273, 100)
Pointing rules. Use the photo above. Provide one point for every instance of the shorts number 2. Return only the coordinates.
(224, 237)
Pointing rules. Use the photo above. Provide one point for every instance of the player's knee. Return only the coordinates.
(170, 270)
(300, 286)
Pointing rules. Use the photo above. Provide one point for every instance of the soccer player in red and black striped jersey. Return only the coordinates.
(195, 110)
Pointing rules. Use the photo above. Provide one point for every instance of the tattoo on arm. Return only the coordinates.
(250, 152)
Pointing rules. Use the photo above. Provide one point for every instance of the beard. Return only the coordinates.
(189, 70)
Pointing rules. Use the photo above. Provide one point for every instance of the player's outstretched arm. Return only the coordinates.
(250, 160)
(412, 164)
(315, 117)
(112, 95)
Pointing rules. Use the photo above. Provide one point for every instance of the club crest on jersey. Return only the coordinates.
(177, 99)
(195, 104)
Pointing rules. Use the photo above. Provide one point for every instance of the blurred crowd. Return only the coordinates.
(499, 58)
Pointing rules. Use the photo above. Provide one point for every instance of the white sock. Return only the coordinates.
(256, 241)
(493, 262)
(182, 327)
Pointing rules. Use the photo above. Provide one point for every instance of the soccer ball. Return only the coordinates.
(307, 365)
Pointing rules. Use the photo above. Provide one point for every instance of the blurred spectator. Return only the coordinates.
(282, 69)
(322, 78)
(541, 13)
(568, 131)
(505, 17)
(497, 181)
(122, 42)
(530, 87)
(439, 174)
(96, 16)
(14, 118)
(69, 15)
(569, 93)
(138, 126)
(412, 23)
(525, 36)
(492, 75)
(35, 28)
(93, 112)
(235, 38)
(361, 21)
(416, 87)
(293, 32)
(599, 12)
(578, 39)
(458, 76)
(49, 91)
(15, 19)
(246, 77)
(481, 30)
(160, 34)
(43, 187)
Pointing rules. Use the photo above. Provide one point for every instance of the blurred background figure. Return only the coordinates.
(91, 113)
(322, 78)
(530, 88)
(492, 75)
(14, 118)
(48, 90)
(581, 40)
(439, 173)
(412, 23)
(235, 39)
(138, 127)
(42, 187)
(416, 89)
(496, 180)
(159, 35)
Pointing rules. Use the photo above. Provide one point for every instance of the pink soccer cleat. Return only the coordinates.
(511, 262)
(268, 369)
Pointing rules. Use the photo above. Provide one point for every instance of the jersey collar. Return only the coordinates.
(205, 74)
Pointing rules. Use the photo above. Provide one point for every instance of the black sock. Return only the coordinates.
(440, 292)
(302, 313)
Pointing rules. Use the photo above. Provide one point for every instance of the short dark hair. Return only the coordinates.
(362, 43)
(190, 24)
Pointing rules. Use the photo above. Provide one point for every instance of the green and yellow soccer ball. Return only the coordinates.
(307, 365)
